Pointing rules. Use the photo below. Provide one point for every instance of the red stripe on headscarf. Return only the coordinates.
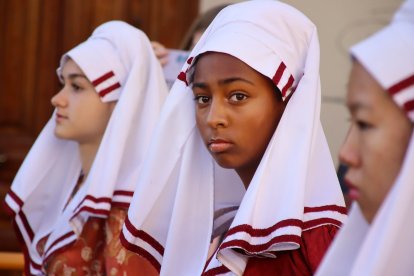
(183, 77)
(143, 236)
(279, 73)
(103, 78)
(111, 88)
(401, 85)
(288, 85)
(409, 106)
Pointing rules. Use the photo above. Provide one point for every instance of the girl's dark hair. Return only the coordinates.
(200, 24)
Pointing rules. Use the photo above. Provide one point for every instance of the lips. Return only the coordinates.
(353, 192)
(60, 117)
(218, 145)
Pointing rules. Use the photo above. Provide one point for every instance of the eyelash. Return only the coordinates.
(76, 87)
(238, 94)
(198, 98)
(363, 125)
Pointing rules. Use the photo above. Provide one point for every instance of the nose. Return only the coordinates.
(349, 153)
(59, 100)
(217, 117)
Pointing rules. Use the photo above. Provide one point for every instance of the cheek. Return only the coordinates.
(201, 123)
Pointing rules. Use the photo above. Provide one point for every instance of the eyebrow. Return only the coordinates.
(74, 76)
(357, 106)
(222, 82)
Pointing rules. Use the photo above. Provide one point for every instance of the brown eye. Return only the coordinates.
(237, 97)
(202, 99)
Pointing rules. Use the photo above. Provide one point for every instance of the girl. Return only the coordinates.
(379, 151)
(246, 107)
(69, 198)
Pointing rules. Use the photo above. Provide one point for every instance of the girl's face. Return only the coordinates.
(81, 115)
(237, 111)
(376, 143)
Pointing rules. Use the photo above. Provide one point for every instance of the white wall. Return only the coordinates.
(340, 24)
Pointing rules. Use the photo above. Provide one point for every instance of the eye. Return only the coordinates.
(202, 99)
(237, 97)
(75, 87)
(362, 125)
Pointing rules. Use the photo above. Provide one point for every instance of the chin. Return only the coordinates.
(225, 163)
(61, 134)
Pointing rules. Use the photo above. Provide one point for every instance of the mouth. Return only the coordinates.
(219, 145)
(353, 191)
(60, 117)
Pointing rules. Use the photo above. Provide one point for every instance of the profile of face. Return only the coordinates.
(237, 111)
(376, 142)
(81, 115)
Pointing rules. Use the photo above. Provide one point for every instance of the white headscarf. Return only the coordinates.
(385, 247)
(119, 61)
(295, 187)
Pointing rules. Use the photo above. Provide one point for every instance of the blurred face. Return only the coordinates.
(196, 37)
(376, 143)
(237, 111)
(81, 115)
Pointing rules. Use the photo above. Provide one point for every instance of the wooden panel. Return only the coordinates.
(33, 36)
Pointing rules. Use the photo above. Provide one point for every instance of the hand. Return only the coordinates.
(160, 52)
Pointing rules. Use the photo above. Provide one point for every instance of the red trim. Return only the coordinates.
(27, 259)
(401, 85)
(123, 192)
(140, 251)
(288, 85)
(409, 106)
(58, 250)
(123, 205)
(20, 214)
(91, 210)
(183, 77)
(265, 231)
(189, 60)
(216, 271)
(335, 208)
(279, 73)
(15, 198)
(94, 199)
(26, 225)
(103, 78)
(63, 237)
(111, 88)
(318, 222)
(250, 248)
(144, 236)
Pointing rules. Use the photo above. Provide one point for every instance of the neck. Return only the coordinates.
(87, 154)
(246, 175)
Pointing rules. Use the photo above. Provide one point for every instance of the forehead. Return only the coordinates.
(220, 65)
(364, 91)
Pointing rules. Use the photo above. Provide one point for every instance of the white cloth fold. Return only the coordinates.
(119, 61)
(173, 210)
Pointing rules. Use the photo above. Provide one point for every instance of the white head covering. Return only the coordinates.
(385, 247)
(171, 218)
(119, 62)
